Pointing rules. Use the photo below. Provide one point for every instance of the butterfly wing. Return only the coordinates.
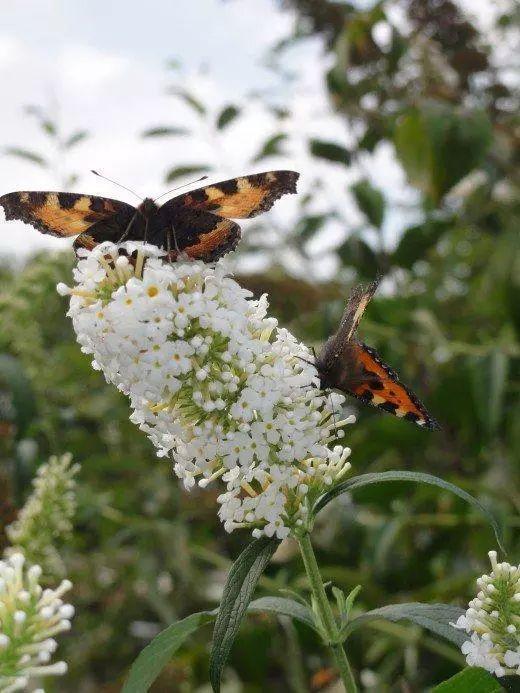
(239, 198)
(364, 375)
(199, 234)
(68, 214)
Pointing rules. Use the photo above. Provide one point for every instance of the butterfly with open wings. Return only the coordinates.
(348, 365)
(195, 223)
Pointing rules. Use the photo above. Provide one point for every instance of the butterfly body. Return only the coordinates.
(196, 223)
(347, 364)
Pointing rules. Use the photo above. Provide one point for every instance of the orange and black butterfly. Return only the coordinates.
(348, 365)
(195, 223)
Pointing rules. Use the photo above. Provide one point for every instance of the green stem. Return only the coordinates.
(325, 612)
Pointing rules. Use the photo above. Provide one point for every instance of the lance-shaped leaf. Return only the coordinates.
(418, 477)
(434, 617)
(284, 607)
(472, 680)
(240, 585)
(152, 660)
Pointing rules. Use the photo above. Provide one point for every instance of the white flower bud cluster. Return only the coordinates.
(493, 619)
(211, 380)
(30, 617)
(47, 514)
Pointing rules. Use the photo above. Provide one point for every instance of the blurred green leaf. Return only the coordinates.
(238, 590)
(21, 153)
(471, 680)
(371, 202)
(226, 116)
(309, 225)
(490, 376)
(439, 145)
(182, 171)
(271, 147)
(189, 100)
(434, 617)
(418, 477)
(354, 252)
(75, 139)
(417, 240)
(155, 656)
(330, 151)
(49, 127)
(16, 394)
(165, 131)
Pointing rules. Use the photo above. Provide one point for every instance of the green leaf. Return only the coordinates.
(182, 171)
(371, 202)
(152, 660)
(354, 252)
(309, 225)
(490, 377)
(75, 139)
(226, 116)
(471, 680)
(189, 100)
(439, 144)
(271, 147)
(330, 151)
(434, 617)
(240, 585)
(27, 155)
(165, 131)
(418, 477)
(417, 241)
(17, 400)
(283, 607)
(49, 127)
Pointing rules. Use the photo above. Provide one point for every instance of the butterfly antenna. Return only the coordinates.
(116, 183)
(180, 186)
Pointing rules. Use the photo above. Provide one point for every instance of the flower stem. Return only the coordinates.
(325, 612)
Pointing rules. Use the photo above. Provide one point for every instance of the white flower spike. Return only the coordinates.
(493, 620)
(212, 381)
(30, 618)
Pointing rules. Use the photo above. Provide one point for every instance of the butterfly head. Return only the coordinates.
(147, 208)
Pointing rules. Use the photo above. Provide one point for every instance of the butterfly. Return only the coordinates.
(346, 364)
(195, 223)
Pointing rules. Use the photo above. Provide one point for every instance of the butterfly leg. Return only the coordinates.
(175, 239)
(128, 228)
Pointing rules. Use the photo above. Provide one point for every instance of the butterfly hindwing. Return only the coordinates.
(197, 233)
(239, 198)
(63, 214)
(374, 382)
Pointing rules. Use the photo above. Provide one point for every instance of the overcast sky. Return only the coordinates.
(100, 64)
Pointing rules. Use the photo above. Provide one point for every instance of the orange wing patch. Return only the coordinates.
(379, 385)
(58, 214)
(240, 198)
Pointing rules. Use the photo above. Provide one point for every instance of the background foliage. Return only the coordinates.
(428, 87)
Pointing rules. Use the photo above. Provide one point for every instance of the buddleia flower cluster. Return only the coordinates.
(215, 384)
(46, 517)
(493, 621)
(30, 618)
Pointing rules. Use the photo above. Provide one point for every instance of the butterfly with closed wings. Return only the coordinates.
(348, 365)
(195, 223)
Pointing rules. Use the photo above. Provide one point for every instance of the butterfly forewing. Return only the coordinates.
(239, 198)
(63, 214)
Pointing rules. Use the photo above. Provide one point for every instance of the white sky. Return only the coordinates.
(100, 64)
